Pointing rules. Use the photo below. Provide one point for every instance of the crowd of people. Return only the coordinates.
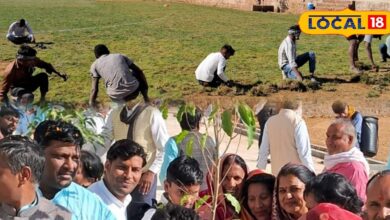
(52, 177)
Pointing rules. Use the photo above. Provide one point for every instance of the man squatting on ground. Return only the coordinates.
(18, 75)
(288, 60)
(211, 71)
(20, 32)
(122, 78)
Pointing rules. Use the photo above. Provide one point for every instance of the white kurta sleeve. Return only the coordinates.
(160, 138)
(302, 141)
(264, 150)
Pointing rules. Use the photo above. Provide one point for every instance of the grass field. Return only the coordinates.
(166, 42)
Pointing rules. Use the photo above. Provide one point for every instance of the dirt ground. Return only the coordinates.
(369, 97)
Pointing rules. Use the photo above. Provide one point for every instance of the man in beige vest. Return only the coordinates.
(286, 138)
(143, 123)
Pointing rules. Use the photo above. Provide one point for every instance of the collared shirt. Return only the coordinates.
(159, 133)
(17, 31)
(83, 204)
(214, 62)
(302, 140)
(117, 207)
(287, 53)
(149, 214)
(40, 208)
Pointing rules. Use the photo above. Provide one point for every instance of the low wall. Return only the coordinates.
(290, 6)
(245, 5)
(379, 5)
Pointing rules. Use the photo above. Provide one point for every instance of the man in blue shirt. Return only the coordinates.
(61, 143)
(343, 110)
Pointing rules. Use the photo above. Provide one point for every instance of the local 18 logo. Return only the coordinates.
(345, 22)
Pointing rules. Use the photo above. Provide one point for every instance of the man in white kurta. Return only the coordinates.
(286, 138)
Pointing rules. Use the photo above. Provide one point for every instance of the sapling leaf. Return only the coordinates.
(203, 140)
(250, 132)
(234, 202)
(180, 113)
(227, 124)
(180, 137)
(201, 201)
(190, 147)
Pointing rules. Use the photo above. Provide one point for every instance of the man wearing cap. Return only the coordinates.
(20, 32)
(211, 71)
(19, 74)
(288, 60)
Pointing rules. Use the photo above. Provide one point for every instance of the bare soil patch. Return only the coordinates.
(371, 96)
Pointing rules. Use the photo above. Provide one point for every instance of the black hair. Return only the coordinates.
(334, 188)
(298, 170)
(236, 159)
(100, 50)
(184, 171)
(59, 130)
(190, 122)
(19, 151)
(8, 110)
(377, 175)
(126, 149)
(295, 28)
(26, 50)
(22, 22)
(266, 179)
(92, 165)
(229, 49)
(175, 212)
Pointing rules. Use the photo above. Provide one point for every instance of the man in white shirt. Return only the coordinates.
(123, 171)
(144, 124)
(286, 138)
(211, 71)
(288, 60)
(20, 32)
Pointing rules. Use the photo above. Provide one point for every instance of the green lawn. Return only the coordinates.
(166, 42)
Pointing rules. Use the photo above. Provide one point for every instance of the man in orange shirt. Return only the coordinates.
(19, 74)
